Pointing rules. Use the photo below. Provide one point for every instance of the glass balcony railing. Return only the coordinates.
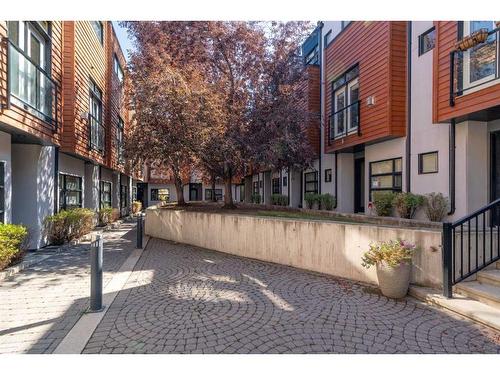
(476, 67)
(31, 87)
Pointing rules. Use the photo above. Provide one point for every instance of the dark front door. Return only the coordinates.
(195, 192)
(495, 173)
(142, 188)
(359, 185)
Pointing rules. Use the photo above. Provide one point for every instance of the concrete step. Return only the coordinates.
(459, 304)
(491, 277)
(486, 293)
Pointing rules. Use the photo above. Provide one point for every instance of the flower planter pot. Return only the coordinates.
(393, 281)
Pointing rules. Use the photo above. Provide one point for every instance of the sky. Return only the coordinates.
(122, 35)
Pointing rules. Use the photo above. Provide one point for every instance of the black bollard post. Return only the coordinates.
(139, 231)
(96, 253)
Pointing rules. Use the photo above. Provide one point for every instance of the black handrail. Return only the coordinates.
(462, 257)
(345, 132)
(455, 91)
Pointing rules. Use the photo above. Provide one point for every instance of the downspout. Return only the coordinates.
(56, 179)
(320, 45)
(452, 167)
(100, 187)
(408, 109)
(288, 182)
(335, 179)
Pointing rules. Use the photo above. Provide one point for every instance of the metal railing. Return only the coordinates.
(346, 121)
(470, 244)
(30, 86)
(463, 79)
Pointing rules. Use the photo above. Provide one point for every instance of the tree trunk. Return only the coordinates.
(214, 198)
(228, 184)
(179, 188)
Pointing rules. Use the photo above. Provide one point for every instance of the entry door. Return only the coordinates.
(195, 192)
(359, 185)
(142, 188)
(495, 173)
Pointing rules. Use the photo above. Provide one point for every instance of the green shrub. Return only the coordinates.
(327, 201)
(68, 225)
(394, 253)
(105, 215)
(407, 204)
(255, 198)
(383, 202)
(12, 243)
(136, 206)
(279, 200)
(310, 199)
(436, 206)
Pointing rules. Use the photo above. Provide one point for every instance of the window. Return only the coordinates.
(386, 175)
(105, 194)
(328, 175)
(479, 62)
(134, 193)
(208, 194)
(426, 41)
(160, 195)
(311, 182)
(29, 55)
(70, 191)
(345, 104)
(99, 31)
(117, 68)
(2, 192)
(261, 183)
(285, 181)
(256, 187)
(313, 57)
(95, 117)
(276, 185)
(428, 162)
(119, 140)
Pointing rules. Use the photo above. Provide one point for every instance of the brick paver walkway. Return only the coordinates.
(183, 299)
(39, 305)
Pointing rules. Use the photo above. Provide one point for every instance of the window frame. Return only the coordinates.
(63, 190)
(275, 185)
(102, 201)
(328, 175)
(119, 140)
(421, 41)
(315, 182)
(208, 194)
(96, 123)
(155, 193)
(117, 68)
(394, 174)
(124, 194)
(285, 181)
(99, 34)
(421, 164)
(255, 187)
(347, 82)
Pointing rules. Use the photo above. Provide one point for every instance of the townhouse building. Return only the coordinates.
(62, 122)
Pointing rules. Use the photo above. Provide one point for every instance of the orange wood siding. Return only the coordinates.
(16, 117)
(380, 50)
(313, 107)
(446, 36)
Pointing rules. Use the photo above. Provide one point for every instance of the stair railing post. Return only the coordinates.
(96, 255)
(447, 248)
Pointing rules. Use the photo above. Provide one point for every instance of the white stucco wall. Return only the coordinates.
(345, 181)
(5, 157)
(91, 186)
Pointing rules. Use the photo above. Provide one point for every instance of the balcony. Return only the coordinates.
(475, 68)
(96, 133)
(30, 87)
(345, 121)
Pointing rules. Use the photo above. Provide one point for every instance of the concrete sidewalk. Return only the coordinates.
(41, 304)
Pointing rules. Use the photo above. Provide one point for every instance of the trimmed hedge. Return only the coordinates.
(12, 241)
(383, 202)
(279, 200)
(136, 206)
(255, 198)
(105, 215)
(68, 225)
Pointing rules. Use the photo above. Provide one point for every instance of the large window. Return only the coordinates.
(208, 194)
(428, 162)
(160, 195)
(345, 104)
(480, 62)
(256, 187)
(311, 182)
(117, 68)
(29, 54)
(119, 140)
(99, 30)
(386, 175)
(70, 191)
(95, 117)
(328, 175)
(276, 185)
(2, 192)
(426, 41)
(105, 194)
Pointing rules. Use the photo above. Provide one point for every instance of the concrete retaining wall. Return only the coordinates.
(328, 247)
